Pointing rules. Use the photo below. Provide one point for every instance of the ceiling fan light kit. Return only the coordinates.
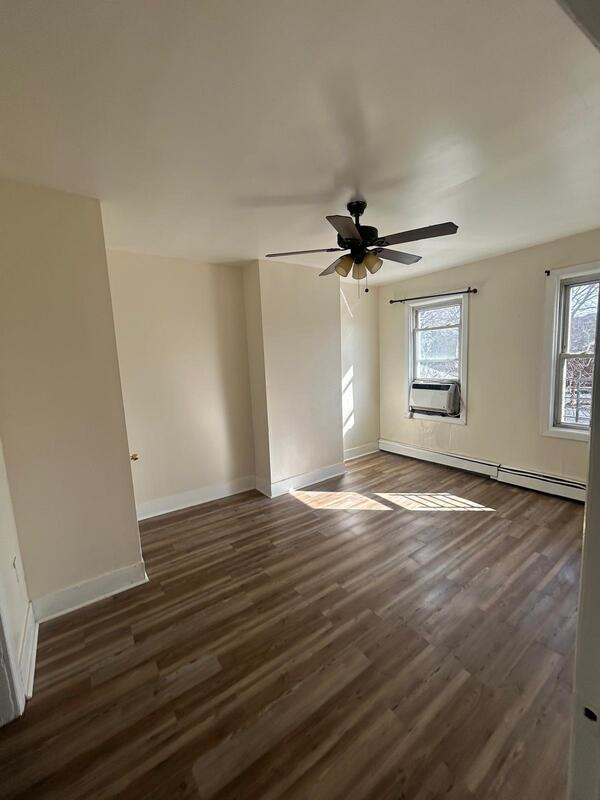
(344, 265)
(359, 270)
(373, 263)
(367, 249)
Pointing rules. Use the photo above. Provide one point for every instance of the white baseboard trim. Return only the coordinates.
(163, 505)
(540, 482)
(306, 479)
(28, 651)
(488, 468)
(361, 450)
(263, 486)
(82, 594)
(563, 487)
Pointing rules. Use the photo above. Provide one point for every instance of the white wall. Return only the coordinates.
(61, 411)
(181, 337)
(360, 368)
(301, 329)
(505, 361)
(229, 375)
(256, 364)
(300, 370)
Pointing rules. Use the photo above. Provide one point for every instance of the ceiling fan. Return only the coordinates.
(367, 248)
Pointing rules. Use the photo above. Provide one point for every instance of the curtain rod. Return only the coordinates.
(429, 296)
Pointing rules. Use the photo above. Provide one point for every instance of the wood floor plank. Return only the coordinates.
(335, 642)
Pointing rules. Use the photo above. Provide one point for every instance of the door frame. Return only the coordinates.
(584, 767)
(12, 691)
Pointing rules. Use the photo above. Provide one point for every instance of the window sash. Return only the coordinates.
(437, 359)
(431, 306)
(416, 358)
(565, 309)
(436, 328)
(562, 354)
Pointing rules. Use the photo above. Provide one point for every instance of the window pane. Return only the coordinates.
(437, 344)
(581, 324)
(576, 390)
(435, 317)
(438, 370)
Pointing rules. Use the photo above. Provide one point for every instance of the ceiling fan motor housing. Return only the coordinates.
(369, 233)
(369, 236)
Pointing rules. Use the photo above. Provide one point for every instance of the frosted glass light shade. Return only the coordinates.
(359, 271)
(344, 266)
(372, 263)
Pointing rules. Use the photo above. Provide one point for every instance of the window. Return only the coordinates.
(575, 356)
(572, 303)
(436, 338)
(438, 344)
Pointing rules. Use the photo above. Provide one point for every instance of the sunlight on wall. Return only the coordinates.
(348, 400)
(348, 309)
(432, 501)
(339, 501)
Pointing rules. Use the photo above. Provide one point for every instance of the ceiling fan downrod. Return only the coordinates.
(356, 208)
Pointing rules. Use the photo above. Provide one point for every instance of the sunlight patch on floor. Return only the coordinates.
(339, 501)
(431, 501)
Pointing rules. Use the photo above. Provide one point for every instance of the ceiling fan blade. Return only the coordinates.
(345, 227)
(302, 252)
(443, 229)
(397, 255)
(331, 268)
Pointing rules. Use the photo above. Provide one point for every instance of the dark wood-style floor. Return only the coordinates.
(332, 644)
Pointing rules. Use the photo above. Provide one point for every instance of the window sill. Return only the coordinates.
(567, 433)
(432, 418)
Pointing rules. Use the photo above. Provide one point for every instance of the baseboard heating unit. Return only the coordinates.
(550, 484)
(574, 490)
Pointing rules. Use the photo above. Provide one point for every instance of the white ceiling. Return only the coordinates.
(225, 129)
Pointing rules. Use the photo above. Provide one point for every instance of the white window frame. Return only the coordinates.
(463, 332)
(553, 332)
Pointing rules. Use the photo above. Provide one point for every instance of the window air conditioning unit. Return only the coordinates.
(440, 398)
